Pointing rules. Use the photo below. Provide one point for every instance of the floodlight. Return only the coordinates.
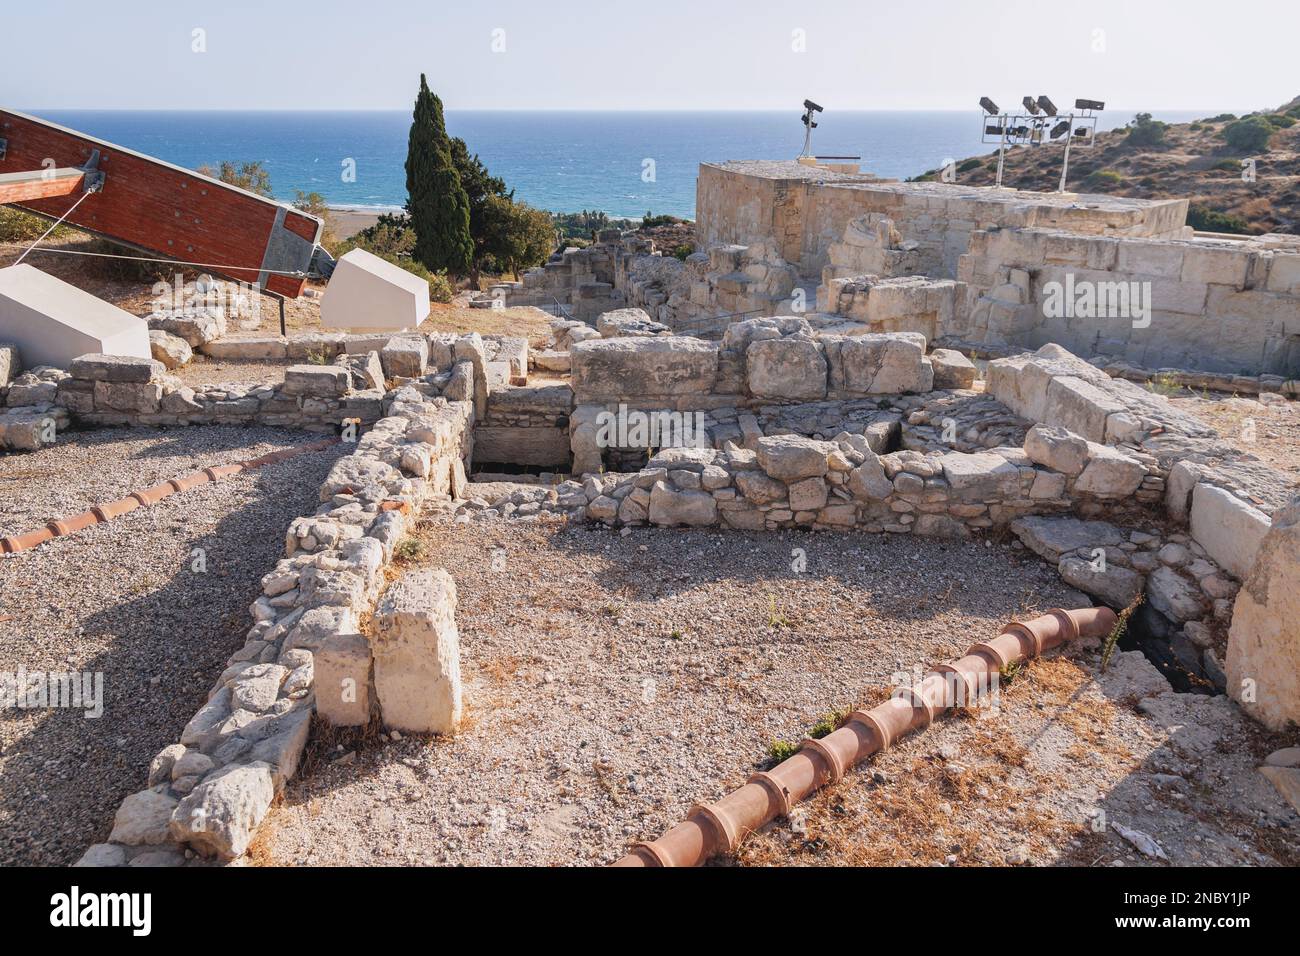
(1047, 106)
(989, 106)
(1089, 105)
(1060, 129)
(995, 129)
(1031, 104)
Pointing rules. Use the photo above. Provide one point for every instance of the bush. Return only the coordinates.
(1280, 120)
(19, 226)
(1103, 179)
(682, 251)
(1249, 135)
(1222, 118)
(440, 287)
(1203, 219)
(970, 164)
(650, 220)
(1145, 131)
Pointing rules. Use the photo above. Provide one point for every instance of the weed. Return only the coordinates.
(409, 549)
(780, 750)
(1116, 632)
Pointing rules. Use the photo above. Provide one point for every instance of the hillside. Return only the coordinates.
(1192, 160)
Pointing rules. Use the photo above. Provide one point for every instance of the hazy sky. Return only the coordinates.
(656, 54)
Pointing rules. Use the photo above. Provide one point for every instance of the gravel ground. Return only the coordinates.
(612, 681)
(123, 599)
(1272, 432)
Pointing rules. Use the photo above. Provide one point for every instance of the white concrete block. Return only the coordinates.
(53, 322)
(367, 292)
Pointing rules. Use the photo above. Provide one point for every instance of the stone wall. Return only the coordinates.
(1216, 304)
(208, 793)
(807, 212)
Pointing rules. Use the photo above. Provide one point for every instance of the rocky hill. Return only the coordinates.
(1201, 160)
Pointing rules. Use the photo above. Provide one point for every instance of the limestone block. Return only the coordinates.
(262, 347)
(405, 356)
(1056, 448)
(367, 292)
(342, 669)
(10, 363)
(1229, 529)
(172, 350)
(952, 369)
(790, 458)
(114, 368)
(52, 322)
(1263, 653)
(1080, 407)
(143, 818)
(317, 381)
(1109, 473)
(220, 815)
(669, 508)
(417, 654)
(881, 364)
(612, 369)
(788, 369)
(983, 476)
(628, 322)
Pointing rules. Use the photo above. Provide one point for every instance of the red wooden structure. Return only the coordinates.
(156, 207)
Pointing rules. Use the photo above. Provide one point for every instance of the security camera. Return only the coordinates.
(810, 105)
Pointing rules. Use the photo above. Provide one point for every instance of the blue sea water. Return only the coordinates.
(561, 161)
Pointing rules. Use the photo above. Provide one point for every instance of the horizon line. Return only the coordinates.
(495, 109)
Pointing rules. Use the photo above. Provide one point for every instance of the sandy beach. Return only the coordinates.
(348, 222)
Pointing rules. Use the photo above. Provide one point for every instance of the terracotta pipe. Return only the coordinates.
(721, 826)
(151, 496)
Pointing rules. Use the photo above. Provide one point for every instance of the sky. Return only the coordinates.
(662, 54)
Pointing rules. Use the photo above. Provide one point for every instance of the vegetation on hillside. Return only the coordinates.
(1241, 173)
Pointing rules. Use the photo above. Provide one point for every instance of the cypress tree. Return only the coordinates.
(436, 200)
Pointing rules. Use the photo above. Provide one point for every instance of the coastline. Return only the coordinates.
(348, 222)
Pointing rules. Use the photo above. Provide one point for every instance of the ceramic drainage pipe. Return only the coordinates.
(720, 827)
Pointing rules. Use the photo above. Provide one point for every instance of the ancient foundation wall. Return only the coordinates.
(1216, 305)
(806, 213)
(208, 793)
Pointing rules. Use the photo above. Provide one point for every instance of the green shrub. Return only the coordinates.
(1103, 179)
(1222, 118)
(682, 251)
(1145, 131)
(650, 221)
(1249, 135)
(19, 226)
(970, 164)
(1209, 220)
(1280, 120)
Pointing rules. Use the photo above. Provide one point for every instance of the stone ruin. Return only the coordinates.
(861, 410)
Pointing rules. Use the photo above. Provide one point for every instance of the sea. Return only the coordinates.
(624, 164)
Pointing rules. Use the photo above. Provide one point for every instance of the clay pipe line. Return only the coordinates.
(720, 827)
(149, 496)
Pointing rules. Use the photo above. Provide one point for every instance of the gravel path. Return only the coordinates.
(123, 599)
(612, 681)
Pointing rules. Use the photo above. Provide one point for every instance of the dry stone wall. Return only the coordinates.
(208, 793)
